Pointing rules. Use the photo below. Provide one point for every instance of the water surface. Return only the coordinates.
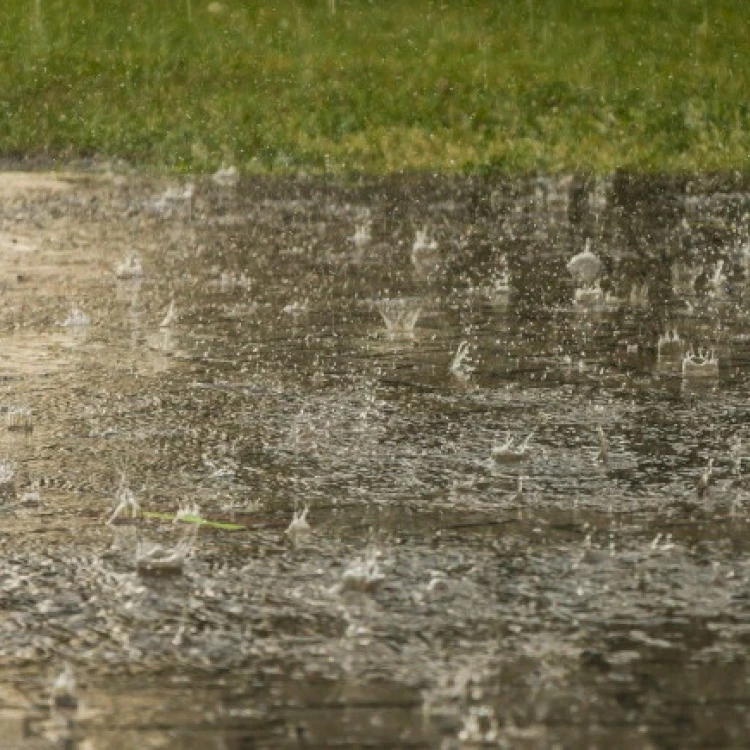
(306, 367)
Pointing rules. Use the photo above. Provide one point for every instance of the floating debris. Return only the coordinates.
(63, 691)
(19, 419)
(703, 364)
(585, 267)
(130, 268)
(299, 528)
(196, 520)
(362, 575)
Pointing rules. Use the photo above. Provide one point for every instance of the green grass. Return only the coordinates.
(197, 520)
(379, 86)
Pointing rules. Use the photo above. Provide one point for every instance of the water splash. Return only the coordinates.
(639, 295)
(425, 255)
(603, 454)
(226, 177)
(499, 287)
(363, 574)
(127, 504)
(701, 364)
(400, 316)
(670, 352)
(130, 268)
(718, 282)
(684, 278)
(511, 451)
(7, 480)
(63, 693)
(174, 201)
(736, 455)
(169, 317)
(187, 511)
(742, 244)
(230, 281)
(460, 368)
(299, 529)
(76, 319)
(19, 419)
(362, 235)
(154, 559)
(298, 307)
(669, 344)
(706, 479)
(585, 267)
(480, 727)
(589, 296)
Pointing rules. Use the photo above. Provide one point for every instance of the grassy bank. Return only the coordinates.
(377, 85)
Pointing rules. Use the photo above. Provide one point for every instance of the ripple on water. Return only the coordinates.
(505, 596)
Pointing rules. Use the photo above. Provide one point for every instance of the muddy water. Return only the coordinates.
(306, 364)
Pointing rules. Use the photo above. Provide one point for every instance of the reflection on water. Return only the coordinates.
(463, 457)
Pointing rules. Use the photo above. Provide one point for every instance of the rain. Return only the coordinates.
(351, 498)
(374, 375)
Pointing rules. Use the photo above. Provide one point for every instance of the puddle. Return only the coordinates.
(506, 454)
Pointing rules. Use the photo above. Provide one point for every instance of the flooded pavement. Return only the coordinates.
(313, 463)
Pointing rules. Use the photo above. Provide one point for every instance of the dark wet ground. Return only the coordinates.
(607, 604)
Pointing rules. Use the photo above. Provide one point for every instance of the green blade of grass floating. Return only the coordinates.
(198, 520)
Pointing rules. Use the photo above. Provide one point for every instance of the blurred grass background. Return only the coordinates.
(376, 85)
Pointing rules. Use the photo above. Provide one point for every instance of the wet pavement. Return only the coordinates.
(527, 515)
